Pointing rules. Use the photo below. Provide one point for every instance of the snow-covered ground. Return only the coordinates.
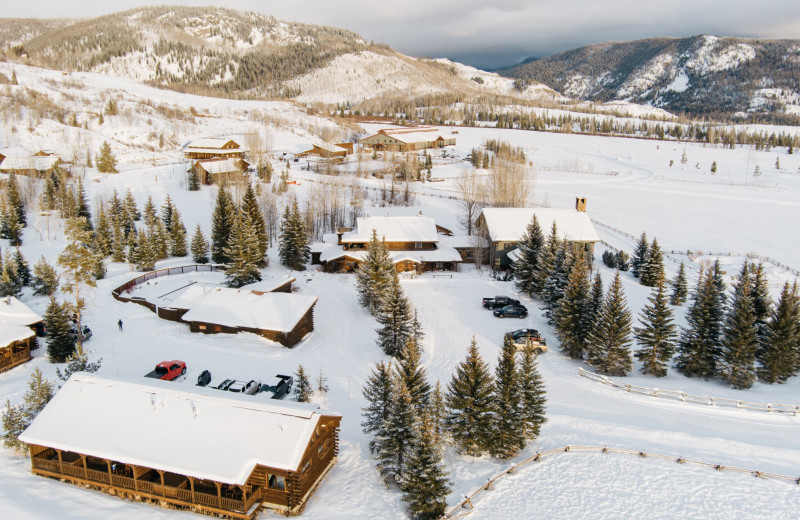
(630, 186)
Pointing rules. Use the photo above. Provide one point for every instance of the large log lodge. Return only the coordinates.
(197, 448)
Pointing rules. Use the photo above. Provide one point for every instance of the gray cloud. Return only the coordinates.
(490, 34)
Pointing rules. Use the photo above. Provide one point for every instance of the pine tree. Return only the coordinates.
(118, 242)
(555, 285)
(60, 343)
(680, 287)
(574, 315)
(658, 333)
(378, 391)
(145, 253)
(547, 258)
(293, 247)
(192, 179)
(653, 267)
(779, 354)
(168, 212)
(762, 303)
(83, 210)
(15, 200)
(177, 235)
(21, 269)
(250, 207)
(374, 275)
(699, 345)
(526, 267)
(507, 433)
(199, 246)
(395, 320)
(437, 411)
(45, 278)
(16, 419)
(610, 340)
(78, 263)
(10, 228)
(409, 368)
(221, 224)
(394, 442)
(740, 338)
(9, 284)
(596, 298)
(132, 212)
(78, 361)
(639, 255)
(242, 253)
(149, 213)
(303, 389)
(106, 161)
(469, 402)
(424, 481)
(103, 236)
(533, 395)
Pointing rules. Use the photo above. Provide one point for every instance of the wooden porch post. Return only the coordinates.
(191, 486)
(161, 476)
(135, 479)
(85, 469)
(219, 494)
(110, 475)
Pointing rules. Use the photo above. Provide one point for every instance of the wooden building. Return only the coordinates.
(213, 170)
(408, 139)
(504, 228)
(32, 166)
(203, 449)
(18, 329)
(328, 150)
(211, 148)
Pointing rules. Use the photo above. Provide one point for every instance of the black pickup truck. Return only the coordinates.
(282, 386)
(498, 302)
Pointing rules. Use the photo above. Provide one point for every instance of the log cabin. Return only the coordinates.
(198, 448)
(18, 330)
(219, 169)
(210, 148)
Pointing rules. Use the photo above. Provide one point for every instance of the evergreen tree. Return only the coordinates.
(609, 342)
(221, 224)
(546, 261)
(424, 482)
(103, 236)
(596, 298)
(15, 201)
(378, 393)
(192, 179)
(374, 275)
(60, 343)
(437, 411)
(639, 255)
(533, 395)
(83, 210)
(469, 402)
(132, 212)
(168, 212)
(395, 320)
(106, 161)
(657, 335)
(555, 285)
(651, 271)
(393, 443)
(16, 419)
(118, 242)
(508, 424)
(133, 242)
(242, 253)
(699, 345)
(78, 361)
(177, 235)
(416, 333)
(409, 368)
(293, 247)
(99, 267)
(21, 269)
(574, 317)
(10, 228)
(9, 283)
(740, 338)
(303, 389)
(526, 267)
(680, 287)
(250, 207)
(78, 263)
(762, 303)
(149, 213)
(779, 354)
(45, 278)
(199, 246)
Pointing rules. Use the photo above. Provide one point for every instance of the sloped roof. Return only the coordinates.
(14, 312)
(509, 224)
(212, 143)
(393, 229)
(12, 333)
(441, 254)
(185, 429)
(220, 165)
(39, 163)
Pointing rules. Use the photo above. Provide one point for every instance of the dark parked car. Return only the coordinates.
(498, 301)
(225, 384)
(512, 311)
(282, 386)
(204, 378)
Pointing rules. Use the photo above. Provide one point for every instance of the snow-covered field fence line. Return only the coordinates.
(464, 508)
(793, 409)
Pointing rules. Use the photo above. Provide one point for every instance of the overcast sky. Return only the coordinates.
(491, 33)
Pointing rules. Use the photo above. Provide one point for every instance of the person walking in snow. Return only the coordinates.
(120, 324)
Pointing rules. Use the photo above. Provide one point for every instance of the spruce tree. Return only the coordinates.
(555, 284)
(10, 228)
(9, 283)
(79, 264)
(424, 482)
(21, 269)
(302, 390)
(574, 317)
(118, 242)
(250, 207)
(469, 403)
(15, 201)
(393, 443)
(167, 212)
(639, 255)
(146, 254)
(657, 335)
(83, 210)
(526, 267)
(740, 336)
(653, 267)
(242, 253)
(596, 298)
(378, 391)
(149, 213)
(374, 275)
(409, 368)
(680, 287)
(437, 411)
(103, 235)
(610, 340)
(546, 260)
(293, 246)
(78, 361)
(395, 320)
(177, 235)
(779, 354)
(132, 212)
(699, 345)
(199, 246)
(192, 179)
(762, 303)
(17, 418)
(221, 224)
(508, 432)
(60, 343)
(45, 278)
(106, 161)
(533, 395)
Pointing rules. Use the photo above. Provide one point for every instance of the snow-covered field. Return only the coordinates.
(630, 186)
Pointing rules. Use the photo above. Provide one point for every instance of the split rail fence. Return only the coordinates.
(458, 511)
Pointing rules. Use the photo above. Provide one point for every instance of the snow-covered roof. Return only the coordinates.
(211, 143)
(509, 224)
(441, 254)
(14, 151)
(189, 430)
(40, 163)
(14, 312)
(418, 137)
(12, 333)
(333, 148)
(464, 241)
(220, 165)
(216, 151)
(243, 308)
(393, 229)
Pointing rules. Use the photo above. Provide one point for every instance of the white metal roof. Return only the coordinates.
(509, 224)
(243, 308)
(212, 143)
(393, 229)
(39, 163)
(441, 254)
(171, 426)
(220, 165)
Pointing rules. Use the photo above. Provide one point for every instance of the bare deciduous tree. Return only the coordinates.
(471, 191)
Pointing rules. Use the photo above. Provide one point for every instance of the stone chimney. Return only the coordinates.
(580, 204)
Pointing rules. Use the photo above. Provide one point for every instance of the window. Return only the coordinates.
(306, 466)
(321, 447)
(201, 327)
(417, 245)
(276, 482)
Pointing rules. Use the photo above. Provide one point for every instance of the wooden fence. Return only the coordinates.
(465, 507)
(170, 271)
(793, 409)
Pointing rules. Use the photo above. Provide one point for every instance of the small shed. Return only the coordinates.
(18, 326)
(325, 150)
(212, 170)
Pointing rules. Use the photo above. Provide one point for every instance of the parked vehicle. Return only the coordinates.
(204, 378)
(168, 370)
(528, 338)
(225, 384)
(498, 301)
(250, 387)
(512, 311)
(282, 386)
(86, 333)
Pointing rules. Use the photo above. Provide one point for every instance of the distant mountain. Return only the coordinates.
(701, 75)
